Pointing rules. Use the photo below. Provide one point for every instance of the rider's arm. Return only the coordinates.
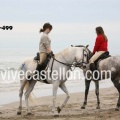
(47, 44)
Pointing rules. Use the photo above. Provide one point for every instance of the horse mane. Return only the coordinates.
(78, 46)
(89, 52)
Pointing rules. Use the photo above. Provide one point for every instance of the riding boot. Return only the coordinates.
(39, 69)
(93, 68)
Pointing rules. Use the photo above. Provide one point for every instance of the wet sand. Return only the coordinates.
(72, 111)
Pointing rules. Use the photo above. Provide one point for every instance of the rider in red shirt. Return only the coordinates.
(101, 46)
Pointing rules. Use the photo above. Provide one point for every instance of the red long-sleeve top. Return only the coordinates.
(101, 44)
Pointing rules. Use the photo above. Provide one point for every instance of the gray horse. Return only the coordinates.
(111, 66)
(64, 60)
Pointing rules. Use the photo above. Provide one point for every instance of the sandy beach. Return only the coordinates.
(74, 40)
(72, 111)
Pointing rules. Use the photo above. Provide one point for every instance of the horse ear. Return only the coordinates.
(87, 46)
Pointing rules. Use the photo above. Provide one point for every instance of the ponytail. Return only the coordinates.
(41, 30)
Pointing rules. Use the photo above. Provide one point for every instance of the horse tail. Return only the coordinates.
(32, 97)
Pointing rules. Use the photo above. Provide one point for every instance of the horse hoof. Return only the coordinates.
(58, 109)
(56, 115)
(29, 113)
(97, 107)
(82, 107)
(18, 113)
(117, 109)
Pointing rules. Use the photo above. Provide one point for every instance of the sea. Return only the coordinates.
(11, 59)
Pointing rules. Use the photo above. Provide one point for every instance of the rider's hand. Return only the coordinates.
(51, 54)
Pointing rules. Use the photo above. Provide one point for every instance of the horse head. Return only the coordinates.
(83, 59)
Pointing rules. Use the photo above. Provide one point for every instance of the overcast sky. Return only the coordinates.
(73, 21)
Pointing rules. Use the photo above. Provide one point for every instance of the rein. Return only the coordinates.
(70, 65)
(66, 64)
(76, 63)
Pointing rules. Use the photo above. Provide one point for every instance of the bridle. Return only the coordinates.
(86, 54)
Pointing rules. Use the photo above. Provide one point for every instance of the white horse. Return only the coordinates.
(64, 60)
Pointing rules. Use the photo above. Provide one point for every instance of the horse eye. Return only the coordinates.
(85, 55)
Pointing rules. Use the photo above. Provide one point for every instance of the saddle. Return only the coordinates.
(101, 57)
(37, 57)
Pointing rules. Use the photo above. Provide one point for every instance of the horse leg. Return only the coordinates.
(97, 94)
(55, 88)
(27, 93)
(63, 87)
(87, 86)
(117, 85)
(23, 83)
(118, 103)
